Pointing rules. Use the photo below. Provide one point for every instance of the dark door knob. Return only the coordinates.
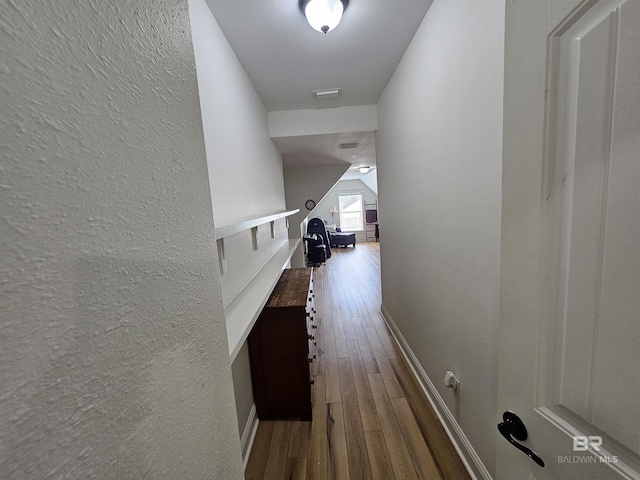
(512, 427)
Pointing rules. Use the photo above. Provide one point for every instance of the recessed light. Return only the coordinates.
(348, 145)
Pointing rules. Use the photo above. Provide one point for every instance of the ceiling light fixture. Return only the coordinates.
(323, 15)
(326, 94)
(364, 169)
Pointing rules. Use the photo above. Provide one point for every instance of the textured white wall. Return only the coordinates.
(113, 360)
(245, 167)
(439, 176)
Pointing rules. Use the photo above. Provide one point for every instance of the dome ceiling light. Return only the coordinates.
(323, 15)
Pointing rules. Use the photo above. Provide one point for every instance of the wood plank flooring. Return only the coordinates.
(370, 418)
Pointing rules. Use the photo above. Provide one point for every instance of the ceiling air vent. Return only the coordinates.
(326, 94)
(348, 145)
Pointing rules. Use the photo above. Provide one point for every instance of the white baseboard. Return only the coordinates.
(249, 435)
(469, 457)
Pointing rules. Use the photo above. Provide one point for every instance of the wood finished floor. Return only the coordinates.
(370, 418)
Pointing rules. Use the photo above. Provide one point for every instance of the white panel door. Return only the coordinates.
(570, 306)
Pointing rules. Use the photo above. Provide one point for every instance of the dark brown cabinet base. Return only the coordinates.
(282, 349)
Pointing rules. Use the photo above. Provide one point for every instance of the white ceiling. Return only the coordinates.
(286, 60)
(313, 150)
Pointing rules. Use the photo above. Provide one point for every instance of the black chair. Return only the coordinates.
(316, 225)
(315, 248)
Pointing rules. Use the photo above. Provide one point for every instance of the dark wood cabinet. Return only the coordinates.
(282, 348)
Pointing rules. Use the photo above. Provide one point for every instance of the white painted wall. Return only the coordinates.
(243, 262)
(291, 123)
(371, 180)
(245, 167)
(113, 361)
(439, 175)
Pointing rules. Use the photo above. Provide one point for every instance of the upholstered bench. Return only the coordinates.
(340, 239)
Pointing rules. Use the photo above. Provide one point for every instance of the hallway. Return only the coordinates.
(370, 419)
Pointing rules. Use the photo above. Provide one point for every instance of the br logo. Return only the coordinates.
(583, 443)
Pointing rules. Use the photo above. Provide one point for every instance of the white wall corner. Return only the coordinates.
(461, 443)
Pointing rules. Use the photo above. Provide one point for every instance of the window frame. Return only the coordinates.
(340, 212)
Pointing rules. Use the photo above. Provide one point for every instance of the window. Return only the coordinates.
(350, 207)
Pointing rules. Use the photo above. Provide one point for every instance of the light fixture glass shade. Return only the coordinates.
(324, 15)
(364, 169)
